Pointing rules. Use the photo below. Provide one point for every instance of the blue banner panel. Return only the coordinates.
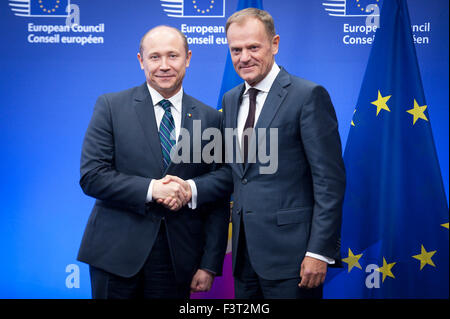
(56, 62)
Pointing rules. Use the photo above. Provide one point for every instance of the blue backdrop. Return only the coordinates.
(51, 76)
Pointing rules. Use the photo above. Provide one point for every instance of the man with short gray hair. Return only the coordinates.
(286, 225)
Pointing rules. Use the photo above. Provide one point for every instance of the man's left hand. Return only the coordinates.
(312, 272)
(202, 281)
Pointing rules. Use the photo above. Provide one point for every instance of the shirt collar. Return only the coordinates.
(265, 84)
(176, 99)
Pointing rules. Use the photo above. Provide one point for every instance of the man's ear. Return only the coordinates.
(275, 44)
(140, 60)
(188, 58)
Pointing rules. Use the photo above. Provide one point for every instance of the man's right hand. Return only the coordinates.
(168, 201)
(170, 193)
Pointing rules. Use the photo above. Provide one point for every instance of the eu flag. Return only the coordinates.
(395, 221)
(205, 8)
(48, 7)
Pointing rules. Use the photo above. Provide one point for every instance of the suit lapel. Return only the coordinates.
(273, 102)
(234, 110)
(144, 108)
(187, 112)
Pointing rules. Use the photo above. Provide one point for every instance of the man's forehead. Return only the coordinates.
(247, 20)
(243, 34)
(162, 32)
(160, 38)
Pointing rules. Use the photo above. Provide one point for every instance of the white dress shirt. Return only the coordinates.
(175, 108)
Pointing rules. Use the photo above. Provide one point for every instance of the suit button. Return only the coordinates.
(244, 181)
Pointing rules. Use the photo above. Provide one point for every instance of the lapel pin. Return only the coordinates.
(189, 115)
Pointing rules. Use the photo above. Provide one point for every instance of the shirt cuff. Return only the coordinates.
(330, 261)
(150, 192)
(193, 202)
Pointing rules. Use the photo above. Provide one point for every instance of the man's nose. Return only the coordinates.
(164, 65)
(245, 56)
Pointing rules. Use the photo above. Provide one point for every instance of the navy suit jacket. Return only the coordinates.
(299, 207)
(121, 154)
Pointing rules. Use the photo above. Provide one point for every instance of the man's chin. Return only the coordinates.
(252, 80)
(166, 87)
(167, 90)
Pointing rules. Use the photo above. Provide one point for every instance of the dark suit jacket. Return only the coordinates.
(298, 208)
(121, 154)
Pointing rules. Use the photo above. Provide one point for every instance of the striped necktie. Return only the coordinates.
(167, 132)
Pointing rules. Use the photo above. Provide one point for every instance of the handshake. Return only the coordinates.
(172, 192)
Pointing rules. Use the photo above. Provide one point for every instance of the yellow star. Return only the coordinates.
(425, 257)
(417, 112)
(445, 225)
(386, 269)
(381, 102)
(352, 260)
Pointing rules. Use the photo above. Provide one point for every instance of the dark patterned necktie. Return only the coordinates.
(250, 122)
(167, 132)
